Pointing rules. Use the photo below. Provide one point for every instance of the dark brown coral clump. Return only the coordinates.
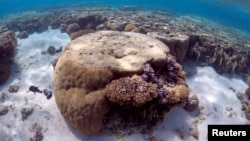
(248, 92)
(8, 44)
(131, 91)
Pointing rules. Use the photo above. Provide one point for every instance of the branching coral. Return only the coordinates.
(131, 91)
(223, 56)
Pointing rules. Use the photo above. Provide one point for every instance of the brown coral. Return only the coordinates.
(8, 44)
(74, 27)
(77, 96)
(129, 27)
(104, 78)
(177, 44)
(79, 33)
(131, 91)
(223, 56)
(177, 95)
(248, 92)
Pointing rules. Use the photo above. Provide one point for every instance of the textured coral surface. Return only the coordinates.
(111, 77)
(8, 44)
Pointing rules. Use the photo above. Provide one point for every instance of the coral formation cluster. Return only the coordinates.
(184, 37)
(111, 80)
(178, 44)
(8, 44)
(132, 91)
(219, 54)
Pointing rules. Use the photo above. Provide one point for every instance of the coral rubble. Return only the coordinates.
(118, 79)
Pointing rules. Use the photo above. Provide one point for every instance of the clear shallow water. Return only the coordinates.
(231, 13)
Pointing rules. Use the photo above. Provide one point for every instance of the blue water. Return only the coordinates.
(231, 13)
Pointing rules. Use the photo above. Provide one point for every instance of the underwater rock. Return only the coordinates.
(245, 104)
(130, 27)
(94, 67)
(90, 21)
(178, 44)
(3, 110)
(31, 23)
(4, 71)
(3, 96)
(23, 35)
(13, 88)
(47, 93)
(63, 28)
(8, 44)
(37, 130)
(79, 33)
(247, 112)
(68, 17)
(26, 112)
(59, 49)
(100, 27)
(248, 92)
(51, 50)
(55, 24)
(3, 28)
(192, 102)
(114, 25)
(74, 27)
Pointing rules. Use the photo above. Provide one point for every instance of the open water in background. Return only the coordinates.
(232, 13)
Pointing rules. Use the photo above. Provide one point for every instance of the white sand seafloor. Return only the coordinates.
(218, 102)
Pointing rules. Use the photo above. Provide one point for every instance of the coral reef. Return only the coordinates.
(79, 33)
(26, 112)
(192, 102)
(72, 28)
(13, 88)
(130, 27)
(100, 85)
(219, 54)
(23, 35)
(178, 44)
(247, 112)
(30, 23)
(221, 51)
(90, 21)
(77, 96)
(3, 110)
(4, 71)
(248, 92)
(63, 28)
(8, 44)
(51, 50)
(134, 91)
(245, 103)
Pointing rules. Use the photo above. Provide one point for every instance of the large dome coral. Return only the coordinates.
(104, 75)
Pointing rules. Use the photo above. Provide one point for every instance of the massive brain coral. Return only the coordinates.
(108, 79)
